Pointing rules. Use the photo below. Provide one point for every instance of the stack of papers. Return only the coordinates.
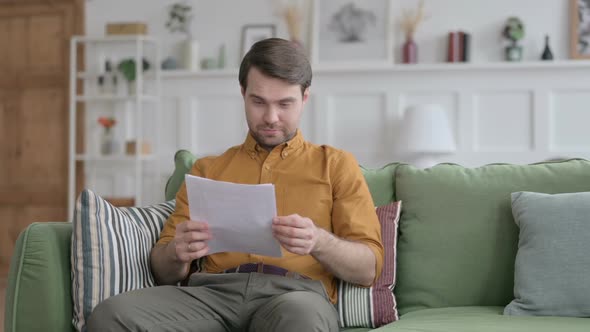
(239, 215)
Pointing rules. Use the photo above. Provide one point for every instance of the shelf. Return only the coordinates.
(114, 98)
(393, 68)
(128, 95)
(148, 75)
(115, 157)
(110, 39)
(182, 73)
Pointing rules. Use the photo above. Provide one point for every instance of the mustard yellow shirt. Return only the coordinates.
(319, 182)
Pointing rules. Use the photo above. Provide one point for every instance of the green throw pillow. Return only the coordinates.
(552, 262)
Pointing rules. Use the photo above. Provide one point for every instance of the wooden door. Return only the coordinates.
(34, 80)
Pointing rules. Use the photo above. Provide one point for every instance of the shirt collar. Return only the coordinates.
(294, 143)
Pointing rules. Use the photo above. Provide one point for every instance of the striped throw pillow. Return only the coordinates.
(110, 250)
(374, 306)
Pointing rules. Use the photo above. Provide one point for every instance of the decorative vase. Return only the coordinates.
(190, 54)
(410, 51)
(547, 54)
(107, 142)
(131, 88)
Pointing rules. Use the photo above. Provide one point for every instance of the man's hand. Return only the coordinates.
(350, 261)
(297, 234)
(190, 240)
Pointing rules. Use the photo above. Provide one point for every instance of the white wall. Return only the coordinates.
(516, 113)
(218, 22)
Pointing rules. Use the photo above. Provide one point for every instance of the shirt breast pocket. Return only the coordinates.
(311, 201)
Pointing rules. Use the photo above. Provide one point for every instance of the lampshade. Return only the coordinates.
(426, 129)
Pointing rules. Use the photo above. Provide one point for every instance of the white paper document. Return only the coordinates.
(239, 215)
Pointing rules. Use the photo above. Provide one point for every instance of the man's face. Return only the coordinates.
(273, 108)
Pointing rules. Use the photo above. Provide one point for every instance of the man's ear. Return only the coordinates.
(243, 91)
(305, 95)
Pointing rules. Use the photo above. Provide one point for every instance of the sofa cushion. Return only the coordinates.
(381, 183)
(458, 239)
(374, 306)
(110, 250)
(552, 263)
(482, 319)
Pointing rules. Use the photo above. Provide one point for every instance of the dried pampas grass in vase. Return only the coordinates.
(409, 23)
(292, 13)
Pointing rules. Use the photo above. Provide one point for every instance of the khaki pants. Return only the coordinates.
(221, 302)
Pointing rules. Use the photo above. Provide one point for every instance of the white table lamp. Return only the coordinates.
(425, 134)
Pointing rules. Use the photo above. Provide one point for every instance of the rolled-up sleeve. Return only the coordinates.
(353, 211)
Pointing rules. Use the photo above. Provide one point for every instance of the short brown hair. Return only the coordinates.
(278, 58)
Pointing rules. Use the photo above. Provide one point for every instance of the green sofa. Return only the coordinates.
(456, 249)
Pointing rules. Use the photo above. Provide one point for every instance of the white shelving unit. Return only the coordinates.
(127, 105)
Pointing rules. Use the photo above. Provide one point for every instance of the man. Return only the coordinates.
(327, 224)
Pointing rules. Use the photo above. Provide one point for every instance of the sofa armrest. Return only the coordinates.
(38, 295)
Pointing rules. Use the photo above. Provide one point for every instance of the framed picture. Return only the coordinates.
(580, 29)
(352, 32)
(255, 32)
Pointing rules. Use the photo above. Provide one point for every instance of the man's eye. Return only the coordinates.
(285, 105)
(258, 102)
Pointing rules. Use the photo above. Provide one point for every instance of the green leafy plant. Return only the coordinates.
(128, 69)
(514, 30)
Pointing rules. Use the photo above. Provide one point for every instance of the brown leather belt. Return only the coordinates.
(266, 269)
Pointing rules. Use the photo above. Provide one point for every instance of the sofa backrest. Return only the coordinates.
(380, 180)
(458, 239)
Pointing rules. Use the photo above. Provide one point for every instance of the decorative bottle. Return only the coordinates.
(547, 54)
(410, 51)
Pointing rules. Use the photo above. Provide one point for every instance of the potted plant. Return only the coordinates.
(513, 31)
(128, 69)
(179, 21)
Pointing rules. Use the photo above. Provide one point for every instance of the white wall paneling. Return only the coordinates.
(570, 115)
(503, 121)
(517, 113)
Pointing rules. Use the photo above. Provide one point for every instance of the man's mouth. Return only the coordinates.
(270, 131)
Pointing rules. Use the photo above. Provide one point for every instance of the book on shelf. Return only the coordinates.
(459, 46)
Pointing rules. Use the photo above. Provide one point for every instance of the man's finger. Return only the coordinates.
(196, 236)
(292, 242)
(191, 225)
(292, 232)
(196, 246)
(293, 220)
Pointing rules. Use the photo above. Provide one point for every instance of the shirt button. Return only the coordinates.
(267, 167)
(285, 154)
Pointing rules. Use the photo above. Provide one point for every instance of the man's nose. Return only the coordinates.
(271, 115)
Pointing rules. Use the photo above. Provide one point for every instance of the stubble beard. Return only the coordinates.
(263, 142)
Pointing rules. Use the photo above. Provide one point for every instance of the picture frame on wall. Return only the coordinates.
(253, 33)
(352, 32)
(580, 29)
